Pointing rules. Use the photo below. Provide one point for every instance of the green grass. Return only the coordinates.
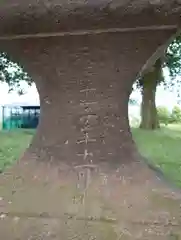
(161, 147)
(12, 146)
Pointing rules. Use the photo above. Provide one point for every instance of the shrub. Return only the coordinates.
(163, 115)
(176, 115)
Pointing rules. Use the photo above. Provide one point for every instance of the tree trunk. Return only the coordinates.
(149, 118)
(82, 177)
(149, 83)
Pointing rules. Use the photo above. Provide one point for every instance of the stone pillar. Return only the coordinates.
(84, 84)
(82, 177)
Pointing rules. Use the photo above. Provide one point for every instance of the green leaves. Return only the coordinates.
(176, 115)
(12, 74)
(163, 115)
(166, 117)
(173, 57)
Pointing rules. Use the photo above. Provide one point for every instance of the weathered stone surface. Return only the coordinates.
(25, 16)
(82, 177)
(50, 202)
(84, 84)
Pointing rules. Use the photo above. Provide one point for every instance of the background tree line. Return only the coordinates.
(166, 117)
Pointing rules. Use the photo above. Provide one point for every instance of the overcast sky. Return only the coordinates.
(31, 96)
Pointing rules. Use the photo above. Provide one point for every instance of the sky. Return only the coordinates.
(30, 97)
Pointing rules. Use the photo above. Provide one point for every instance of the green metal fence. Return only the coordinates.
(20, 117)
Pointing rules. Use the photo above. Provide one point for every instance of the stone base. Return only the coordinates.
(88, 202)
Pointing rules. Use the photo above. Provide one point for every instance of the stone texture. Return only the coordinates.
(25, 16)
(84, 84)
(41, 201)
(82, 177)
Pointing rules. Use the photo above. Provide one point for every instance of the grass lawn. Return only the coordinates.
(161, 147)
(12, 145)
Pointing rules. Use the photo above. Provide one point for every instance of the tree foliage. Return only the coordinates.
(172, 62)
(163, 115)
(176, 115)
(166, 117)
(12, 74)
(173, 57)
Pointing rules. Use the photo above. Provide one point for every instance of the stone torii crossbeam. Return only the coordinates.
(82, 176)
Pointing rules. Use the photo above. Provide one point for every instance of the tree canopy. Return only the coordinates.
(173, 57)
(12, 74)
(173, 63)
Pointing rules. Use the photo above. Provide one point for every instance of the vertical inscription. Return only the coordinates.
(87, 122)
